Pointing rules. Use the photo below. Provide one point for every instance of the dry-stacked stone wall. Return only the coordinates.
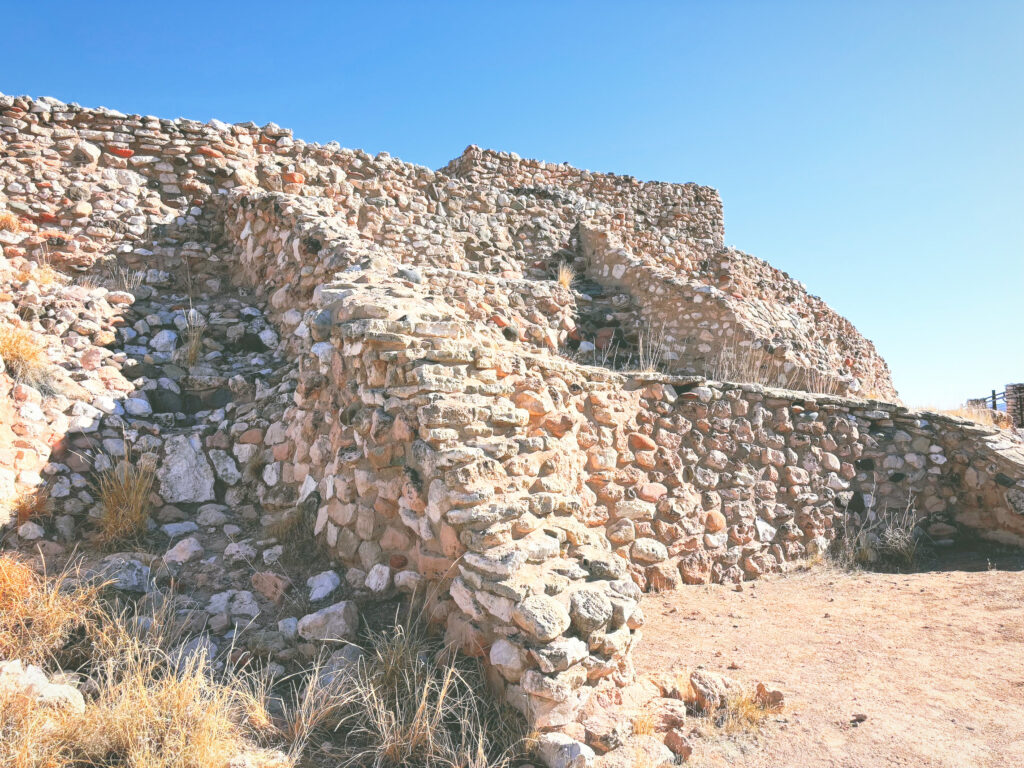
(431, 430)
(547, 496)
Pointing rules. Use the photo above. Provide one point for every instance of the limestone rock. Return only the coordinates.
(560, 751)
(322, 585)
(638, 750)
(18, 679)
(712, 690)
(542, 617)
(335, 622)
(589, 609)
(184, 551)
(185, 475)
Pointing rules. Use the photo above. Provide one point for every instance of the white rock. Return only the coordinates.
(138, 406)
(558, 750)
(239, 551)
(288, 627)
(164, 341)
(322, 585)
(379, 578)
(185, 475)
(408, 581)
(335, 622)
(508, 658)
(225, 466)
(184, 551)
(17, 679)
(272, 554)
(174, 530)
(30, 531)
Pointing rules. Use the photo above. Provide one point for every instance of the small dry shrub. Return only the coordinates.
(123, 488)
(9, 222)
(24, 355)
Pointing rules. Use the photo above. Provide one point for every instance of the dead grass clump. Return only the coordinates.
(744, 712)
(9, 222)
(984, 416)
(32, 504)
(25, 357)
(148, 708)
(42, 275)
(651, 348)
(407, 703)
(157, 711)
(123, 488)
(195, 329)
(38, 616)
(566, 274)
(412, 702)
(878, 539)
(643, 724)
(756, 365)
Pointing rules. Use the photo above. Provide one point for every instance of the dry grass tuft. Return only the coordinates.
(123, 279)
(123, 488)
(24, 355)
(878, 539)
(643, 724)
(756, 365)
(39, 616)
(984, 416)
(42, 275)
(566, 274)
(408, 703)
(411, 702)
(744, 712)
(650, 349)
(9, 222)
(148, 707)
(32, 504)
(195, 329)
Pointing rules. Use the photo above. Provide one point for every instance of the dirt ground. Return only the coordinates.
(934, 659)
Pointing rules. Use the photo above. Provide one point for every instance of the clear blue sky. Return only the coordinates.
(874, 150)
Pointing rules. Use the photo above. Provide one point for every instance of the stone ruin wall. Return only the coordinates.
(485, 212)
(553, 494)
(664, 245)
(428, 430)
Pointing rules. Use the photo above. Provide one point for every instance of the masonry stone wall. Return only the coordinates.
(548, 495)
(433, 426)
